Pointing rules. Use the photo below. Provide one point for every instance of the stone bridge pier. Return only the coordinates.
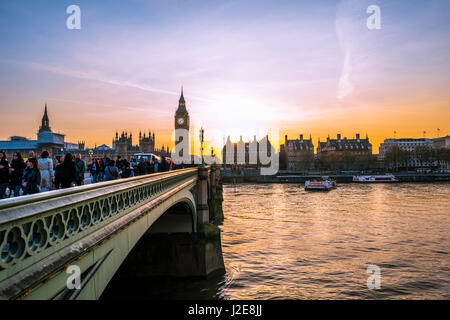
(163, 224)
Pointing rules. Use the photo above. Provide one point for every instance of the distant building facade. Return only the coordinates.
(442, 142)
(46, 141)
(339, 146)
(245, 154)
(298, 154)
(406, 144)
(409, 145)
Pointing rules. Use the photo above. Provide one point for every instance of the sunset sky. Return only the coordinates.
(247, 67)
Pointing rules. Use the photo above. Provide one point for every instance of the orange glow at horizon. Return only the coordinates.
(378, 123)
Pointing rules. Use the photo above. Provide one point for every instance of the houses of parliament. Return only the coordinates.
(123, 145)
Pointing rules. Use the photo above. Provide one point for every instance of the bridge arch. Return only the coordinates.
(180, 217)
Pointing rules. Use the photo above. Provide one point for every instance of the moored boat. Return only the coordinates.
(387, 178)
(324, 185)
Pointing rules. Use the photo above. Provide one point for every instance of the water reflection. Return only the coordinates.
(282, 242)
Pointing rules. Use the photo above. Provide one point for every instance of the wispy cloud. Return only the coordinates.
(345, 86)
(95, 75)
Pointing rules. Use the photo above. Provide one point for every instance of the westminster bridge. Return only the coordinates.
(157, 224)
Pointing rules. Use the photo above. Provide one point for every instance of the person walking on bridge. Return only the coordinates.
(32, 177)
(104, 162)
(58, 172)
(4, 174)
(68, 171)
(95, 170)
(142, 167)
(111, 171)
(155, 165)
(80, 166)
(164, 165)
(46, 166)
(17, 168)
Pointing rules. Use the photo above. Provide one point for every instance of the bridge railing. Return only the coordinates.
(36, 226)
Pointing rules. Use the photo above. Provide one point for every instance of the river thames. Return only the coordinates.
(282, 242)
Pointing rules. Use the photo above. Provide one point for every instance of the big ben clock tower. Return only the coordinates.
(181, 115)
(182, 136)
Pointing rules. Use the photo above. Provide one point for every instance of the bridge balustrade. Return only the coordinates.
(35, 227)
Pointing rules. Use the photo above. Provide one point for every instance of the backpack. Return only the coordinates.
(113, 173)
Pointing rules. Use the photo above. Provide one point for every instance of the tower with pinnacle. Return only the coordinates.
(182, 115)
(45, 122)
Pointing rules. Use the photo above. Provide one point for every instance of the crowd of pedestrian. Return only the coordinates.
(106, 169)
(41, 174)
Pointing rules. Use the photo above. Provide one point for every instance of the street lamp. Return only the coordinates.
(202, 132)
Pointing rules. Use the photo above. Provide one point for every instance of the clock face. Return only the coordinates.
(180, 121)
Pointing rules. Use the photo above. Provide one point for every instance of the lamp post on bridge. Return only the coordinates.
(202, 137)
(202, 188)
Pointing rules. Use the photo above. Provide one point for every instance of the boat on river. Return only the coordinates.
(320, 185)
(387, 178)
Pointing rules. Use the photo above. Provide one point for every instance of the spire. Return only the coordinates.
(181, 103)
(45, 123)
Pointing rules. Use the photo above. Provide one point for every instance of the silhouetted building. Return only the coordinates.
(339, 146)
(298, 154)
(245, 154)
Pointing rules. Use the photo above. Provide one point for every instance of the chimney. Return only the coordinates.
(285, 139)
(301, 137)
(339, 136)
